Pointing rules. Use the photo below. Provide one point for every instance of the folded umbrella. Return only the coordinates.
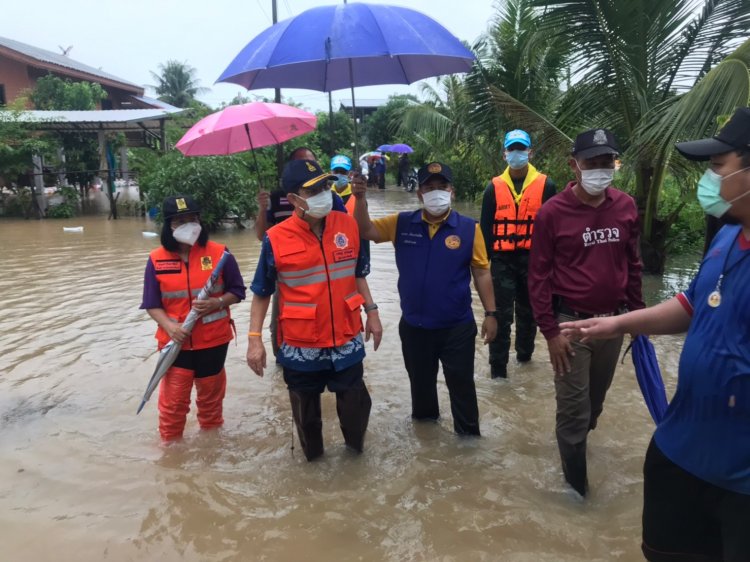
(648, 374)
(169, 352)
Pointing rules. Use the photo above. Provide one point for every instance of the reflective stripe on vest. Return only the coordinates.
(514, 225)
(319, 305)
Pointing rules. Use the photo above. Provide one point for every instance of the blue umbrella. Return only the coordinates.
(344, 46)
(384, 147)
(401, 148)
(648, 374)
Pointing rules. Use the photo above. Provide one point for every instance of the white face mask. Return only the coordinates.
(318, 206)
(594, 182)
(437, 202)
(187, 233)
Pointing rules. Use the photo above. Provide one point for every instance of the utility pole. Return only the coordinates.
(277, 99)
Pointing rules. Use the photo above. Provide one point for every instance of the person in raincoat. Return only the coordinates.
(316, 261)
(175, 273)
(696, 475)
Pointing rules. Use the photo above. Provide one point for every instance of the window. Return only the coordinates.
(2, 94)
(106, 104)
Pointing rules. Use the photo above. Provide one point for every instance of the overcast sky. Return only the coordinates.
(132, 37)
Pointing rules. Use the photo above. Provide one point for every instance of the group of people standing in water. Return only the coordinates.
(566, 262)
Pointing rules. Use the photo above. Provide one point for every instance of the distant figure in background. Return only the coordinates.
(380, 172)
(182, 264)
(404, 166)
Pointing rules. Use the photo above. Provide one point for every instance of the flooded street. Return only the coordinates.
(83, 478)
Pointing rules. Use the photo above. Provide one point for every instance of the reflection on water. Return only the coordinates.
(80, 471)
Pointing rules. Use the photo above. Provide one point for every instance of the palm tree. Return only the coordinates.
(648, 70)
(177, 84)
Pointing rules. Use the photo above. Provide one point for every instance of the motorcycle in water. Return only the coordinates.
(411, 180)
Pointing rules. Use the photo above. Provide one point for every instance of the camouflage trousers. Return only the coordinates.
(509, 278)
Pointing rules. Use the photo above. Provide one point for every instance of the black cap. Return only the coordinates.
(434, 169)
(179, 205)
(735, 135)
(301, 174)
(594, 142)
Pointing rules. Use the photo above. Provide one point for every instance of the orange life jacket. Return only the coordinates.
(514, 224)
(176, 282)
(319, 305)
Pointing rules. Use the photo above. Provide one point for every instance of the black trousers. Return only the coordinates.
(423, 352)
(686, 519)
(353, 406)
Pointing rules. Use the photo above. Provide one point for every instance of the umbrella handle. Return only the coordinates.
(255, 160)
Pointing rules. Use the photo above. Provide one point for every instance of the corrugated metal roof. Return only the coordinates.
(365, 102)
(157, 103)
(94, 116)
(60, 60)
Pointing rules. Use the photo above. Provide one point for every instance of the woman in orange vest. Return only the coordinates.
(175, 274)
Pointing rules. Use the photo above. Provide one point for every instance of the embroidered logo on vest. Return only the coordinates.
(206, 263)
(453, 242)
(340, 240)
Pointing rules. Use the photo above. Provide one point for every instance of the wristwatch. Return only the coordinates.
(370, 307)
(490, 313)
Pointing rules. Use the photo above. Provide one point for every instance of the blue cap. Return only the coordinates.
(517, 136)
(341, 161)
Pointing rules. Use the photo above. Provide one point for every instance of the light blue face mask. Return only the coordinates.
(709, 193)
(517, 159)
(342, 181)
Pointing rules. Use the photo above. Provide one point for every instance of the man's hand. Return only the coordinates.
(560, 352)
(489, 329)
(373, 327)
(359, 185)
(264, 200)
(256, 355)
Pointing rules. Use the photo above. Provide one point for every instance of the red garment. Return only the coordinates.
(589, 256)
(514, 224)
(175, 280)
(174, 401)
(319, 305)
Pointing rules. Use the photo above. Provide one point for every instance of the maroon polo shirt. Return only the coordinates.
(587, 255)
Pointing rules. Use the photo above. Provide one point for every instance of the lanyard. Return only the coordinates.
(714, 299)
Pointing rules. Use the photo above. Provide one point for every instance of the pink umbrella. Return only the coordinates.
(237, 128)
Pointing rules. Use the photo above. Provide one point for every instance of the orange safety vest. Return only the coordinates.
(350, 205)
(514, 224)
(175, 280)
(319, 305)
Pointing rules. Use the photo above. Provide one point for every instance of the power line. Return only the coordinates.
(263, 10)
(288, 8)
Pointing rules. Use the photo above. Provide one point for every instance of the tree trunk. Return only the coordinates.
(654, 231)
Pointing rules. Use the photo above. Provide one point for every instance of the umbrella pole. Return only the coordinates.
(354, 113)
(255, 159)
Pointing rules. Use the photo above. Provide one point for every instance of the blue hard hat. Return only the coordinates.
(517, 136)
(341, 161)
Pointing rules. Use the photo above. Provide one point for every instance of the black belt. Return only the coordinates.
(562, 309)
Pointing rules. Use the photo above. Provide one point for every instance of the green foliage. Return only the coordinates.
(18, 144)
(382, 127)
(16, 202)
(177, 84)
(53, 93)
(222, 185)
(69, 206)
(320, 140)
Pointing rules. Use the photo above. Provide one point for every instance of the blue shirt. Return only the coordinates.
(706, 430)
(306, 358)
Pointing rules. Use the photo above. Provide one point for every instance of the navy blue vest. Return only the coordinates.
(434, 280)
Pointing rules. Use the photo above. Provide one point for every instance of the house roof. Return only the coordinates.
(90, 121)
(365, 103)
(41, 58)
(156, 103)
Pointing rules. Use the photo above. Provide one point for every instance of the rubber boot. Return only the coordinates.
(574, 466)
(353, 407)
(174, 402)
(307, 418)
(209, 399)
